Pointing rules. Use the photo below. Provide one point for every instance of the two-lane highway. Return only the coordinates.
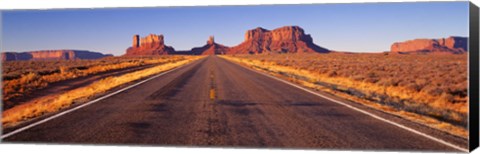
(216, 102)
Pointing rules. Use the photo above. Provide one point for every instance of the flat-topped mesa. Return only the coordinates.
(288, 39)
(453, 44)
(211, 48)
(52, 55)
(149, 45)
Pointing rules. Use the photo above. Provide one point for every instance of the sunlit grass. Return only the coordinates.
(23, 77)
(57, 102)
(429, 89)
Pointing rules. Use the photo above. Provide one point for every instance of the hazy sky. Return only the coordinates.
(366, 27)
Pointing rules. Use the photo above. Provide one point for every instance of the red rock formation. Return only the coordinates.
(136, 41)
(288, 39)
(211, 40)
(445, 45)
(211, 48)
(51, 55)
(149, 45)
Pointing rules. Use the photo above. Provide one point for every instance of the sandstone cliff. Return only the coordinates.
(452, 44)
(288, 39)
(52, 55)
(149, 45)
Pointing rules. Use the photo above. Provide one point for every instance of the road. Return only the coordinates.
(214, 102)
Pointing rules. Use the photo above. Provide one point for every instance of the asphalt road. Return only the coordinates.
(213, 102)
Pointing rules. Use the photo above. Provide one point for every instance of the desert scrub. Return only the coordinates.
(57, 102)
(23, 77)
(430, 85)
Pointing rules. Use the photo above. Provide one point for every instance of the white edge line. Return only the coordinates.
(367, 113)
(83, 105)
(291, 84)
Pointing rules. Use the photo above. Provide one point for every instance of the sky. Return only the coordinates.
(360, 27)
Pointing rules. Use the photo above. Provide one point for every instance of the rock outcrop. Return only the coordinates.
(288, 39)
(149, 45)
(456, 45)
(52, 55)
(211, 48)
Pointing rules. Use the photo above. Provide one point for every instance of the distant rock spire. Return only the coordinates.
(211, 40)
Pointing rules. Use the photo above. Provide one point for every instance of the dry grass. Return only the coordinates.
(23, 77)
(54, 103)
(429, 89)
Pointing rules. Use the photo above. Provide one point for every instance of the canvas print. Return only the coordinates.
(360, 76)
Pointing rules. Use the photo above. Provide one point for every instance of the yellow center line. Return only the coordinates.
(212, 87)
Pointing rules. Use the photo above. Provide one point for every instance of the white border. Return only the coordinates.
(49, 4)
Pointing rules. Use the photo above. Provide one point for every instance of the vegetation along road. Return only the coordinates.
(216, 102)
